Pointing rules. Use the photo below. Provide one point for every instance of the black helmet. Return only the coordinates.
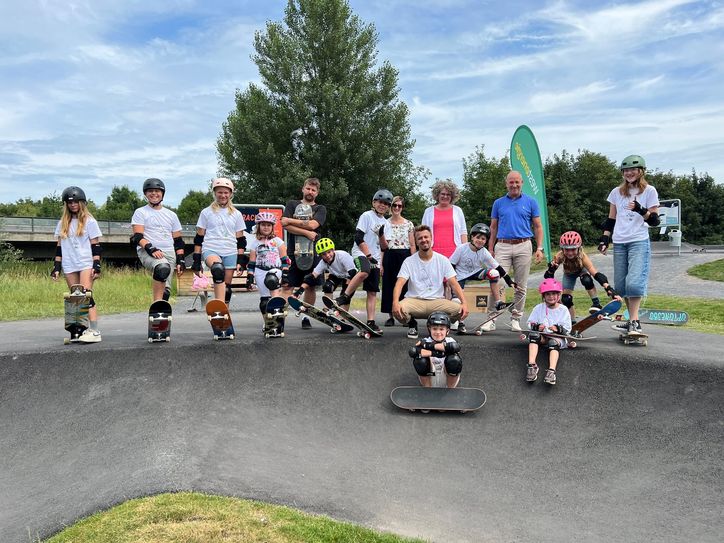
(153, 183)
(480, 228)
(438, 318)
(383, 195)
(73, 194)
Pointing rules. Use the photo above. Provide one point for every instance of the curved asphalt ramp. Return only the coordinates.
(621, 450)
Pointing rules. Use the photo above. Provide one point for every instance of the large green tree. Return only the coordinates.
(326, 108)
(120, 205)
(192, 204)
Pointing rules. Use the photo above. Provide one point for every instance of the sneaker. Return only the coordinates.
(412, 329)
(462, 328)
(373, 325)
(454, 325)
(488, 326)
(306, 323)
(390, 322)
(90, 336)
(531, 373)
(500, 304)
(515, 325)
(550, 377)
(621, 327)
(594, 308)
(634, 327)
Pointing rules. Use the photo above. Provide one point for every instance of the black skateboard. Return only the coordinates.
(478, 330)
(364, 330)
(76, 313)
(274, 315)
(218, 314)
(438, 398)
(159, 321)
(335, 325)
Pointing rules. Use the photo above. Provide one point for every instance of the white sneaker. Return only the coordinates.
(488, 326)
(515, 325)
(90, 336)
(454, 325)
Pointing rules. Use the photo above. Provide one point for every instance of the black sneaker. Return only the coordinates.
(306, 323)
(390, 322)
(634, 327)
(461, 328)
(412, 329)
(373, 325)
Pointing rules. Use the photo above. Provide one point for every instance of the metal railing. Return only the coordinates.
(40, 225)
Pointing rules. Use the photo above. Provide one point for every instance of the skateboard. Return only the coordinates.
(218, 314)
(364, 330)
(571, 339)
(438, 398)
(604, 313)
(657, 316)
(276, 312)
(333, 322)
(478, 330)
(76, 313)
(633, 338)
(159, 321)
(303, 246)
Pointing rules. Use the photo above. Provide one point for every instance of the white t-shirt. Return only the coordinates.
(630, 226)
(368, 222)
(468, 261)
(425, 278)
(267, 252)
(542, 314)
(340, 266)
(76, 250)
(221, 228)
(158, 226)
(439, 380)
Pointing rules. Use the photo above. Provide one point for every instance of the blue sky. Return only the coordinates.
(99, 93)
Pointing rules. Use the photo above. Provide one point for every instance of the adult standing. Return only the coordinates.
(399, 234)
(633, 207)
(303, 227)
(445, 219)
(515, 219)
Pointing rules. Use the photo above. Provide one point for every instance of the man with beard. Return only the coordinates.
(425, 273)
(308, 228)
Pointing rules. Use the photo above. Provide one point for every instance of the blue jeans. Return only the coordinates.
(631, 263)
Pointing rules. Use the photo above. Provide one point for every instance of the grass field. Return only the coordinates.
(711, 271)
(189, 517)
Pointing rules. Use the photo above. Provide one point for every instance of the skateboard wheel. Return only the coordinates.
(478, 332)
(231, 336)
(367, 335)
(216, 338)
(169, 318)
(226, 317)
(208, 317)
(168, 338)
(266, 336)
(150, 319)
(66, 341)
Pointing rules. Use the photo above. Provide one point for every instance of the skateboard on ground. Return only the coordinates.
(274, 315)
(303, 246)
(218, 314)
(159, 321)
(478, 330)
(364, 330)
(76, 313)
(632, 338)
(657, 316)
(571, 339)
(333, 322)
(438, 398)
(604, 313)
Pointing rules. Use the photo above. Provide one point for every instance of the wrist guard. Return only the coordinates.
(56, 268)
(196, 265)
(551, 271)
(604, 242)
(149, 248)
(180, 261)
(653, 219)
(97, 266)
(298, 292)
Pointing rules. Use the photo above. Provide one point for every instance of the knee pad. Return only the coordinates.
(423, 366)
(262, 303)
(587, 281)
(328, 287)
(271, 280)
(534, 337)
(567, 300)
(491, 275)
(553, 345)
(453, 364)
(227, 295)
(217, 272)
(162, 271)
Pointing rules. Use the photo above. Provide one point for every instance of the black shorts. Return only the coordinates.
(372, 282)
(296, 276)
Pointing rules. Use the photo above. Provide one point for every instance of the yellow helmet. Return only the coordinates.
(324, 245)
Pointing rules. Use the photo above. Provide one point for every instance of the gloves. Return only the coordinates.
(372, 260)
(604, 242)
(97, 267)
(196, 265)
(638, 208)
(55, 272)
(181, 262)
(149, 248)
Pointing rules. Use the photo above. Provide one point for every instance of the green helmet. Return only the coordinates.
(633, 161)
(324, 245)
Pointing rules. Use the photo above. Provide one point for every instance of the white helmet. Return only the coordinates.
(222, 182)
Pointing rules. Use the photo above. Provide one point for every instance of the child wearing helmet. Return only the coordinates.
(548, 316)
(436, 358)
(577, 265)
(369, 242)
(78, 252)
(220, 241)
(342, 268)
(268, 265)
(473, 261)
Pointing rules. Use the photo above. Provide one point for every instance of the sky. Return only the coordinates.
(98, 93)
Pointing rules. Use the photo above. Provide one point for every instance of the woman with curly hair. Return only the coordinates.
(445, 219)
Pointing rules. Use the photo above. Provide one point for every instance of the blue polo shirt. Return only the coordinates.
(515, 216)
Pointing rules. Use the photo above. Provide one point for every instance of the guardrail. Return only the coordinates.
(40, 225)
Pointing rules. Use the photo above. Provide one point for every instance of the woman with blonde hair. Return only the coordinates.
(78, 253)
(445, 219)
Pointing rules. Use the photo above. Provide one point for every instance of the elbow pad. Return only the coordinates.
(601, 278)
(96, 249)
(359, 237)
(136, 239)
(58, 251)
(241, 242)
(452, 347)
(178, 244)
(653, 219)
(198, 239)
(608, 224)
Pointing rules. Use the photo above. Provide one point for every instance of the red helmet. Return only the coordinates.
(570, 240)
(550, 285)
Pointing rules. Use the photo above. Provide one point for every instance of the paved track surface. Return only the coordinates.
(626, 448)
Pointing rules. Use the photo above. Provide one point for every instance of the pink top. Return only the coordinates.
(444, 232)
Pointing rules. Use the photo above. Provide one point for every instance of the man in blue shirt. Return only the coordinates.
(515, 219)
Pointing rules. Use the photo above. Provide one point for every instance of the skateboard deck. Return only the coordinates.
(478, 329)
(218, 314)
(364, 330)
(276, 312)
(333, 322)
(76, 313)
(633, 338)
(438, 398)
(657, 316)
(604, 313)
(159, 321)
(571, 339)
(303, 246)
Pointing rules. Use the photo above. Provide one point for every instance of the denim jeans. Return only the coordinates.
(631, 263)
